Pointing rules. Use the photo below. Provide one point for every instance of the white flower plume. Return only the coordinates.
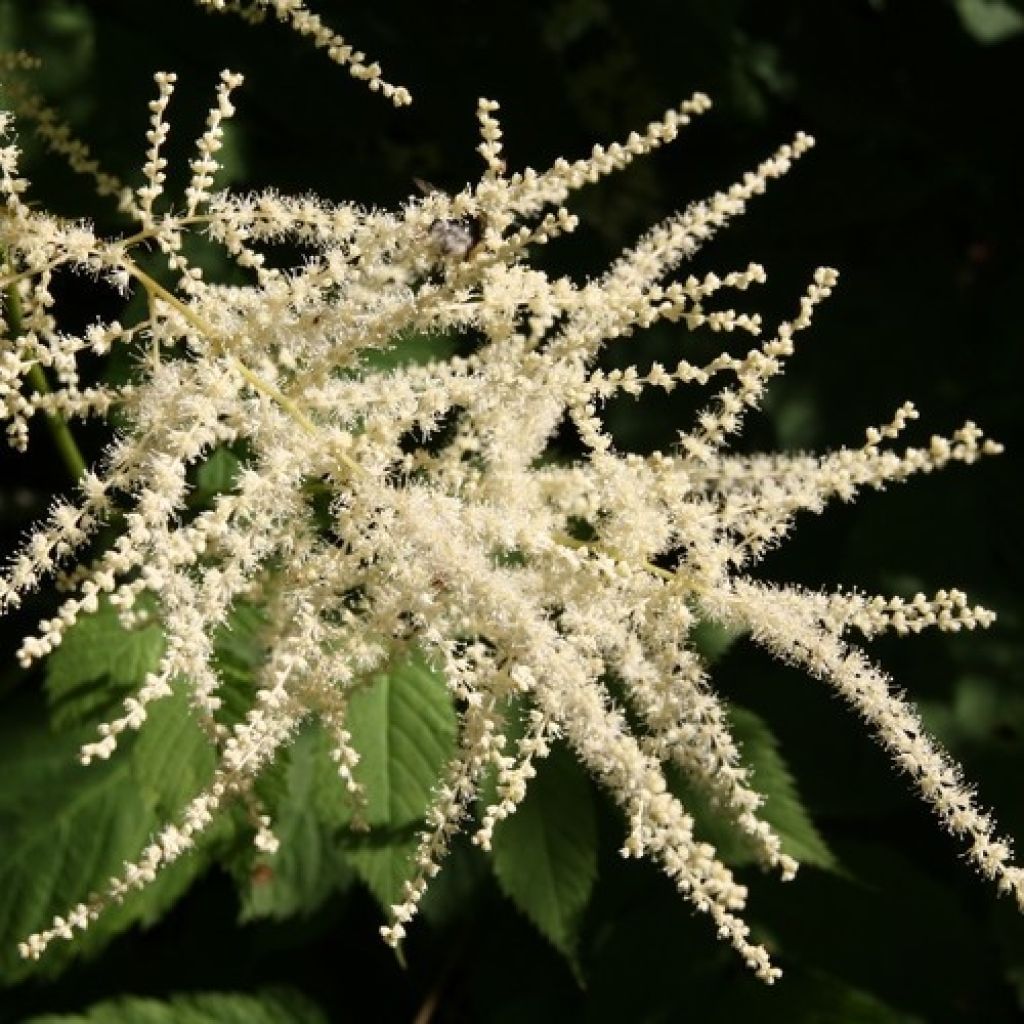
(525, 578)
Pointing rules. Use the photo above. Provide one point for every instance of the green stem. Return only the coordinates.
(58, 427)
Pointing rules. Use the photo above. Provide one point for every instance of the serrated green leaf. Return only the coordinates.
(238, 652)
(67, 829)
(239, 646)
(403, 726)
(171, 759)
(304, 797)
(271, 1007)
(384, 868)
(783, 809)
(404, 729)
(97, 663)
(100, 662)
(545, 855)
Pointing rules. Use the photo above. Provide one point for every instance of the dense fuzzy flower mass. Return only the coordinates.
(452, 523)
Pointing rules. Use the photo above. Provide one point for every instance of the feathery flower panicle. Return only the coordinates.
(526, 580)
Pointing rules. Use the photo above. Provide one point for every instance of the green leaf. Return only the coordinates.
(100, 662)
(384, 868)
(713, 640)
(979, 710)
(783, 809)
(404, 729)
(275, 1006)
(411, 349)
(545, 855)
(303, 795)
(217, 474)
(97, 663)
(238, 652)
(67, 829)
(989, 21)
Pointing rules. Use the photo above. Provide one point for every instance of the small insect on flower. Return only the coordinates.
(453, 239)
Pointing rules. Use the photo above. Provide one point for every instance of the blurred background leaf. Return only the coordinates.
(213, 1008)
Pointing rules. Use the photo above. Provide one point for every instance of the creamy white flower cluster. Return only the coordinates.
(528, 580)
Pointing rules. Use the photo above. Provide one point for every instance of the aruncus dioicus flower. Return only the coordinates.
(534, 585)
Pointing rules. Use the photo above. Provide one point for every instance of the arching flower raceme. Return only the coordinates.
(529, 580)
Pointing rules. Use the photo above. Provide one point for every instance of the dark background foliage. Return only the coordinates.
(914, 194)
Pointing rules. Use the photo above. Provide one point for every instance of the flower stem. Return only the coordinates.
(64, 440)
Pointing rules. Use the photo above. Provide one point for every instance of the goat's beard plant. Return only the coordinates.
(537, 587)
